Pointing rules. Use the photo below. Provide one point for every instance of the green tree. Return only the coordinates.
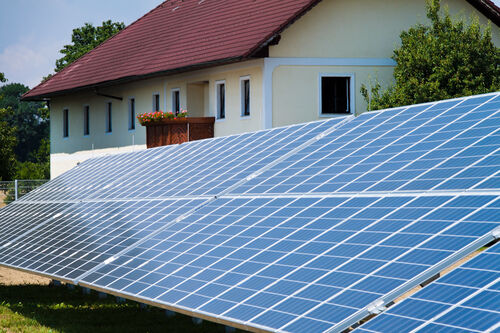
(7, 145)
(446, 59)
(85, 39)
(30, 119)
(2, 77)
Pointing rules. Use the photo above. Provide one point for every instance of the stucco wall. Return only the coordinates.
(361, 28)
(67, 152)
(347, 30)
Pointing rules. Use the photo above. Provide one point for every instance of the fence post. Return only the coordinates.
(15, 189)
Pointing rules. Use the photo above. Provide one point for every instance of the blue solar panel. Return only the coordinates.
(451, 145)
(280, 263)
(307, 227)
(465, 300)
(18, 218)
(88, 234)
(209, 167)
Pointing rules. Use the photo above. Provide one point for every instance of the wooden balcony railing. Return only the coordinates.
(175, 131)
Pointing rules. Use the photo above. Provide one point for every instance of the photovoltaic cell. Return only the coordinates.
(92, 175)
(90, 233)
(281, 263)
(465, 300)
(306, 227)
(451, 145)
(209, 167)
(19, 218)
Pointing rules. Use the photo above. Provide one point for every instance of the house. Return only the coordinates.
(253, 64)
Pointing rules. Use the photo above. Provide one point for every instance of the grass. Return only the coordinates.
(36, 308)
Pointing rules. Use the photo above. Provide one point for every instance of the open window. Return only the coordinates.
(156, 102)
(336, 94)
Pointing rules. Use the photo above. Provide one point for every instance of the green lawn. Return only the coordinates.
(35, 308)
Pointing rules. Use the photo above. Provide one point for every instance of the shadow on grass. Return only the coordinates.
(63, 310)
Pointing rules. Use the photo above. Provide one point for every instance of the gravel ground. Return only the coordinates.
(12, 277)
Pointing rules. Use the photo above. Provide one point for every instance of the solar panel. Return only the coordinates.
(210, 167)
(88, 234)
(91, 175)
(466, 300)
(306, 227)
(450, 145)
(18, 218)
(283, 263)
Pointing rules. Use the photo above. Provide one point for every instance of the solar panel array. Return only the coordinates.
(306, 227)
(465, 300)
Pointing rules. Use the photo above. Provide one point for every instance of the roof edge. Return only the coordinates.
(488, 9)
(132, 78)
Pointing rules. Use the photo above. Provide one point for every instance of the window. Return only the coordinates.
(86, 116)
(245, 96)
(220, 99)
(336, 94)
(65, 123)
(176, 102)
(156, 102)
(131, 114)
(109, 118)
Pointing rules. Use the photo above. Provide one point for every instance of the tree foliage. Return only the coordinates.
(7, 145)
(30, 120)
(85, 39)
(2, 77)
(446, 59)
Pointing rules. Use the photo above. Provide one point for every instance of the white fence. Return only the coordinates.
(15, 189)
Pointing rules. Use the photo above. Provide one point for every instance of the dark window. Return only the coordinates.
(245, 97)
(335, 95)
(65, 123)
(109, 117)
(86, 116)
(176, 102)
(221, 101)
(131, 116)
(156, 102)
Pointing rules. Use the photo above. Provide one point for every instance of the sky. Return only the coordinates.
(33, 31)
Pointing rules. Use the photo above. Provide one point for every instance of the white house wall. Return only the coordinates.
(67, 152)
(355, 38)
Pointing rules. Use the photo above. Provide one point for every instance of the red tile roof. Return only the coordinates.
(178, 35)
(181, 35)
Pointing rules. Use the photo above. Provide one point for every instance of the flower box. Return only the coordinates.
(162, 132)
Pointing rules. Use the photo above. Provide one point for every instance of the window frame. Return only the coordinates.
(108, 129)
(173, 92)
(218, 108)
(86, 120)
(65, 133)
(242, 97)
(131, 116)
(352, 96)
(153, 102)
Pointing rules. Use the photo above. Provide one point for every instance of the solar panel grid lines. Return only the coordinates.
(335, 177)
(103, 229)
(178, 304)
(88, 177)
(466, 299)
(350, 320)
(494, 113)
(343, 131)
(15, 224)
(456, 119)
(232, 160)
